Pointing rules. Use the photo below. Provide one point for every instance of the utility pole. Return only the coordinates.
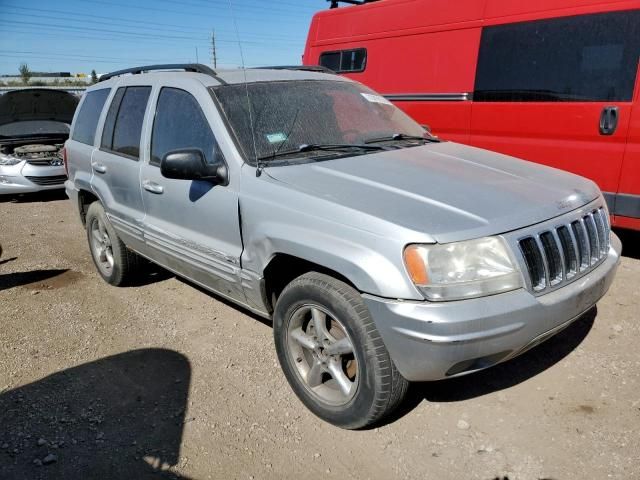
(214, 57)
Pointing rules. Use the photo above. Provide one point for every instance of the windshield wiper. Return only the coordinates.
(401, 136)
(329, 147)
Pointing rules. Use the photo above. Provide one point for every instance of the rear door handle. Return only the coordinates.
(152, 187)
(608, 120)
(98, 167)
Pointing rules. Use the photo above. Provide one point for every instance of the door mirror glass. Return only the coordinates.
(190, 164)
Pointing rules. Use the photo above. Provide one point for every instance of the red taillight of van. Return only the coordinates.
(65, 160)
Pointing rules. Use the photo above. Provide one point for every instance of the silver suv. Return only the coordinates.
(382, 255)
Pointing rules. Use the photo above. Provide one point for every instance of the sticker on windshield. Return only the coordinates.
(276, 137)
(376, 98)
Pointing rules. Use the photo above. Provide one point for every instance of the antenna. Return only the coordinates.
(259, 167)
(214, 57)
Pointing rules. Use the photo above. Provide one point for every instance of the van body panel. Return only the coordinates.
(418, 52)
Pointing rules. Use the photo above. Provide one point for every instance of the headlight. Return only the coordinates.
(8, 160)
(460, 270)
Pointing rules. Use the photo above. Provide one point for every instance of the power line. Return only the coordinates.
(137, 23)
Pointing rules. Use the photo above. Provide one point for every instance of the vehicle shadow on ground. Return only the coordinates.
(45, 196)
(630, 243)
(504, 375)
(149, 273)
(18, 279)
(117, 417)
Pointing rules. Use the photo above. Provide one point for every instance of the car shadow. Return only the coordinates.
(117, 417)
(501, 376)
(45, 196)
(630, 243)
(149, 273)
(18, 279)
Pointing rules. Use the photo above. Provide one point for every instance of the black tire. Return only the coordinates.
(380, 387)
(125, 262)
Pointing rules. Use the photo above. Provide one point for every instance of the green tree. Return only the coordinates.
(94, 76)
(25, 73)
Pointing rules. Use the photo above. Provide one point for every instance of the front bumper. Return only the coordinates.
(431, 341)
(27, 178)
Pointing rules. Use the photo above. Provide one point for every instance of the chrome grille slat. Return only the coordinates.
(555, 256)
(592, 235)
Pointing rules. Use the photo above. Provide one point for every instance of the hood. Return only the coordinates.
(37, 104)
(448, 191)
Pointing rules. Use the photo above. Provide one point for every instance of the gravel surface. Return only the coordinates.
(162, 380)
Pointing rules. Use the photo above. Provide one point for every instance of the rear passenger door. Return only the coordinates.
(116, 165)
(191, 227)
(558, 92)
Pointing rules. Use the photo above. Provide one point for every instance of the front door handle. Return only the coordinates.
(98, 167)
(152, 187)
(608, 120)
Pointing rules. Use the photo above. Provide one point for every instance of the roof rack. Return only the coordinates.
(336, 3)
(304, 68)
(187, 67)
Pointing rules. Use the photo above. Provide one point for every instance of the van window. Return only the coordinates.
(123, 126)
(345, 61)
(180, 123)
(84, 130)
(582, 58)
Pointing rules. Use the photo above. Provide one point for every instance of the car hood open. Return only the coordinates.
(37, 104)
(449, 191)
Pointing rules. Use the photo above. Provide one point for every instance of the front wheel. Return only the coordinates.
(332, 354)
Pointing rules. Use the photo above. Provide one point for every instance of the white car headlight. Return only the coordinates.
(460, 270)
(8, 160)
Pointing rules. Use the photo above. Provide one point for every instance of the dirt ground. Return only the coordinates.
(163, 380)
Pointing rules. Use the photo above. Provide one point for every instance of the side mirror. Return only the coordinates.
(190, 164)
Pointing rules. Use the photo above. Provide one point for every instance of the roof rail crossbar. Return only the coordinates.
(187, 67)
(336, 3)
(304, 68)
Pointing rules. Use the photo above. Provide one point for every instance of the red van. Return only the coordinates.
(552, 81)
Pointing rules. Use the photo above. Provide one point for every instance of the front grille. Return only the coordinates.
(555, 256)
(46, 162)
(45, 181)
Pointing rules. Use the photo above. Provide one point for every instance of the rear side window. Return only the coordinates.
(581, 58)
(84, 130)
(180, 123)
(123, 126)
(345, 61)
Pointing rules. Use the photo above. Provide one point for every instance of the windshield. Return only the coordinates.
(289, 114)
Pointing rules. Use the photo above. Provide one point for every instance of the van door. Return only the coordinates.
(559, 92)
(116, 165)
(627, 203)
(191, 227)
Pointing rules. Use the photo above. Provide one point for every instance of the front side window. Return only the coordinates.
(345, 61)
(123, 126)
(179, 124)
(84, 130)
(280, 116)
(582, 58)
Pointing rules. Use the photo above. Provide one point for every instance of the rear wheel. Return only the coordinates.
(332, 353)
(116, 264)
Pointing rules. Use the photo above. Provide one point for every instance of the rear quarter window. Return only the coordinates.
(84, 129)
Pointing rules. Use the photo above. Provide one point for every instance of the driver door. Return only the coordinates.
(191, 227)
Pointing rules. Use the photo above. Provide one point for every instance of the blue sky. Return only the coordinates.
(105, 35)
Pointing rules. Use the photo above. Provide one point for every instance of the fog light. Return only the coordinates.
(4, 179)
